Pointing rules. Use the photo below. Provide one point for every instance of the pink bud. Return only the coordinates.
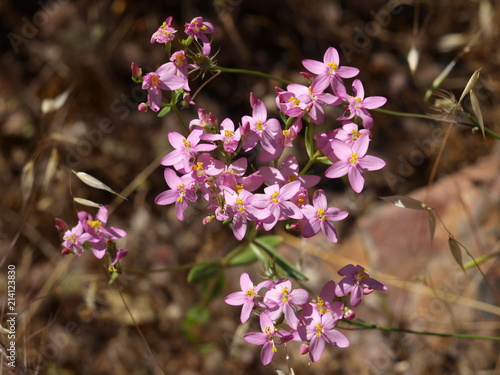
(61, 225)
(65, 251)
(308, 76)
(349, 314)
(136, 71)
(253, 99)
(295, 227)
(304, 349)
(187, 99)
(143, 107)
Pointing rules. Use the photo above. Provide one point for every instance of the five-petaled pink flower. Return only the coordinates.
(181, 192)
(358, 282)
(329, 70)
(358, 105)
(199, 29)
(318, 329)
(162, 79)
(269, 338)
(283, 300)
(248, 296)
(319, 216)
(165, 33)
(229, 137)
(353, 161)
(185, 149)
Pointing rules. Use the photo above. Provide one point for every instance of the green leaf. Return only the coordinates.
(202, 272)
(324, 160)
(271, 240)
(309, 141)
(165, 111)
(247, 256)
(285, 266)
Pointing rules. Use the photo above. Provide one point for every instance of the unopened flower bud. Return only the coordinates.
(308, 76)
(349, 314)
(136, 71)
(61, 225)
(65, 251)
(304, 349)
(143, 107)
(208, 219)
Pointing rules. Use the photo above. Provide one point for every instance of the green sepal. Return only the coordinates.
(309, 141)
(324, 160)
(202, 272)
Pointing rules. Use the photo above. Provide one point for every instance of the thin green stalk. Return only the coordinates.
(310, 162)
(417, 115)
(390, 329)
(251, 72)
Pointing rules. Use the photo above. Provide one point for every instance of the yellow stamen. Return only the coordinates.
(321, 214)
(274, 197)
(354, 159)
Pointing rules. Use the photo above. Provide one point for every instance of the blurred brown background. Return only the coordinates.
(70, 321)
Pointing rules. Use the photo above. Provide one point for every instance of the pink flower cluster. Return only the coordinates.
(92, 234)
(211, 162)
(310, 320)
(173, 75)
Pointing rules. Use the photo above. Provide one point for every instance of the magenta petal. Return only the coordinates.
(359, 91)
(336, 338)
(246, 310)
(329, 230)
(372, 102)
(339, 169)
(319, 199)
(347, 72)
(245, 282)
(267, 354)
(299, 296)
(236, 298)
(331, 56)
(316, 348)
(356, 179)
(328, 291)
(371, 163)
(172, 158)
(167, 197)
(256, 338)
(314, 66)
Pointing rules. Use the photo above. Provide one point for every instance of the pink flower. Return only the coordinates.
(199, 30)
(181, 192)
(288, 172)
(283, 300)
(357, 282)
(353, 161)
(314, 97)
(358, 105)
(289, 104)
(321, 217)
(162, 79)
(330, 70)
(229, 137)
(97, 227)
(206, 122)
(349, 133)
(185, 149)
(262, 130)
(318, 329)
(75, 237)
(179, 67)
(269, 338)
(248, 296)
(324, 303)
(239, 207)
(165, 33)
(277, 198)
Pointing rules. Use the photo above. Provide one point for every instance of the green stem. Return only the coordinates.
(310, 162)
(417, 115)
(251, 72)
(390, 329)
(177, 113)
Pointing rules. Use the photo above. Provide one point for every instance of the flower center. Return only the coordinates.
(332, 67)
(321, 214)
(182, 192)
(274, 197)
(355, 134)
(96, 225)
(354, 158)
(295, 102)
(259, 126)
(240, 205)
(187, 146)
(155, 80)
(251, 293)
(284, 295)
(319, 329)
